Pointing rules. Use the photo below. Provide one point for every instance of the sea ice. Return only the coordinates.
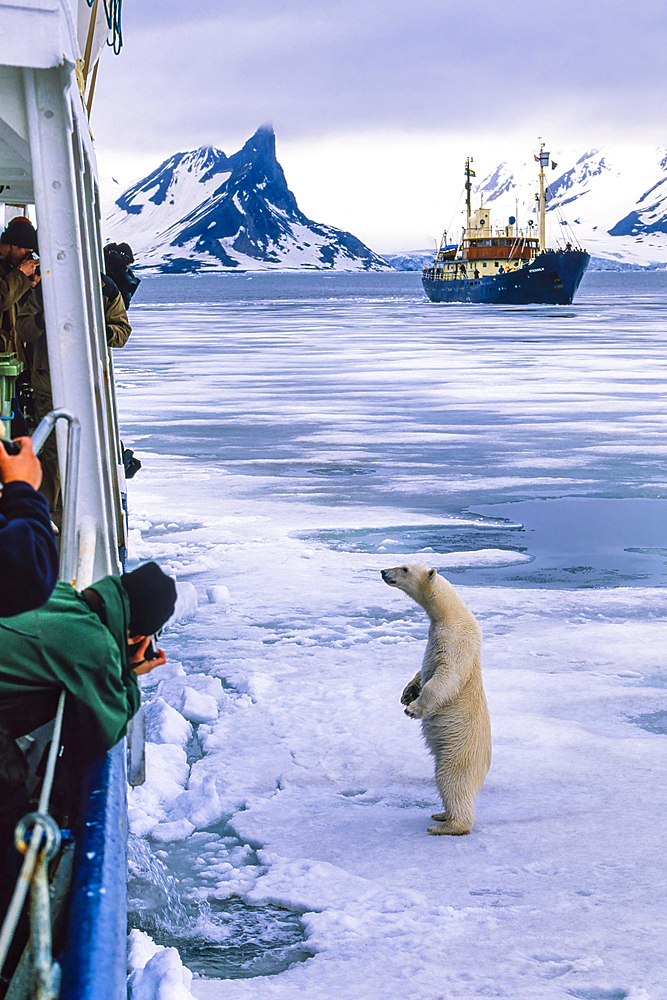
(218, 594)
(325, 784)
(186, 603)
(155, 973)
(165, 725)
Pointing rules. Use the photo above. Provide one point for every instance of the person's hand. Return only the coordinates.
(29, 266)
(24, 467)
(139, 664)
(34, 279)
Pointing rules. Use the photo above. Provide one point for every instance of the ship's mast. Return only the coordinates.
(544, 160)
(468, 189)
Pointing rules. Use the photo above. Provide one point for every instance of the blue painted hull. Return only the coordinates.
(552, 279)
(95, 958)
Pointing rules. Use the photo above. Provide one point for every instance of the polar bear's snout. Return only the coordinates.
(392, 576)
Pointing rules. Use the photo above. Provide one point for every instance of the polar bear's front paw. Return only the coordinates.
(413, 710)
(410, 694)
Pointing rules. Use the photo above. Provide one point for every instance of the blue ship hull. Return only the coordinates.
(551, 279)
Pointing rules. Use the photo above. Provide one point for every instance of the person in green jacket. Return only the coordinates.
(92, 644)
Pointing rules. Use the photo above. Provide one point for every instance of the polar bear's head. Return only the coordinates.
(417, 581)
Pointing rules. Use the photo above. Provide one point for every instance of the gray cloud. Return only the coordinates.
(200, 71)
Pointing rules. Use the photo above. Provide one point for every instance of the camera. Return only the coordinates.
(152, 652)
(31, 255)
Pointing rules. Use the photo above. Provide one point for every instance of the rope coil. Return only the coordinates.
(34, 871)
(113, 11)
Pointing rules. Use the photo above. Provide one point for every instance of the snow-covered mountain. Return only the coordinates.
(205, 211)
(410, 260)
(612, 202)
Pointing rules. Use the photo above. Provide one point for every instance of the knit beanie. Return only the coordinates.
(126, 250)
(152, 596)
(20, 233)
(121, 250)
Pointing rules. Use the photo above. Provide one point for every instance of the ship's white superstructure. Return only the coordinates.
(49, 51)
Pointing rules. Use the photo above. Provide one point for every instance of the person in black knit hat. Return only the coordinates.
(20, 233)
(152, 597)
(19, 272)
(93, 645)
(118, 258)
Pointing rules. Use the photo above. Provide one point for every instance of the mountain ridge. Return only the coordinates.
(608, 201)
(205, 211)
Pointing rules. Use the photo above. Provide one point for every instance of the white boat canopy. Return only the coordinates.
(49, 51)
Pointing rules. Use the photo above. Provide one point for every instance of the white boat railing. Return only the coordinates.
(47, 160)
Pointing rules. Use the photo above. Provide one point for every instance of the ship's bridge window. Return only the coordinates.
(487, 243)
(494, 243)
(483, 263)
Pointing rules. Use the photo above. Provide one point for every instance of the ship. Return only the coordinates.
(505, 265)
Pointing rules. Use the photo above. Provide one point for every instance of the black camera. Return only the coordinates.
(31, 255)
(152, 651)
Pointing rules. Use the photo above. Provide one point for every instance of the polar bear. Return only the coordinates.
(448, 696)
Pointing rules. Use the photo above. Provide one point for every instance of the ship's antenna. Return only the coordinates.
(468, 187)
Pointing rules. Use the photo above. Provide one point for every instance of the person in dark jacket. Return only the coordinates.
(28, 553)
(118, 258)
(31, 335)
(18, 267)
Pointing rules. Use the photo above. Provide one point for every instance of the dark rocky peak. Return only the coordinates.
(260, 149)
(256, 171)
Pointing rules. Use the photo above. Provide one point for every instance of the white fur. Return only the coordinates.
(451, 702)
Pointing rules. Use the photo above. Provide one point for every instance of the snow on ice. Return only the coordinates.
(310, 756)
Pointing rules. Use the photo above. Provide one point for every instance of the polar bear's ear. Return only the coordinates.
(431, 574)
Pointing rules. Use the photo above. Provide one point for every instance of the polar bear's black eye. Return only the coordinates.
(404, 568)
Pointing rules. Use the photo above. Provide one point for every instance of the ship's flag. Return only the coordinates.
(469, 173)
(553, 165)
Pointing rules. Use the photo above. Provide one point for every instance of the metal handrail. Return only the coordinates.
(68, 546)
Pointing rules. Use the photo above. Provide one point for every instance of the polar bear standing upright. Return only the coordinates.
(448, 696)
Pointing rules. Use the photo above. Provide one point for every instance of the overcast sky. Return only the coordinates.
(374, 103)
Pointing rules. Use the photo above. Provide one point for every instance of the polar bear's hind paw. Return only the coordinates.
(448, 830)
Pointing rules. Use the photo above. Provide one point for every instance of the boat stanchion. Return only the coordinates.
(68, 546)
(136, 749)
